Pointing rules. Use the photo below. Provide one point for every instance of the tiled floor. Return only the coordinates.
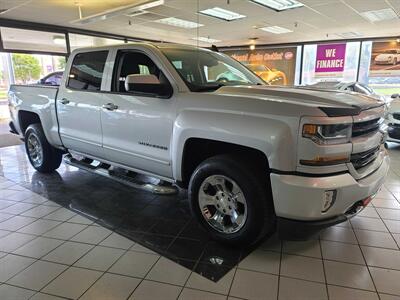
(58, 243)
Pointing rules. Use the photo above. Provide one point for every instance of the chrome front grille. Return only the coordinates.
(360, 160)
(366, 127)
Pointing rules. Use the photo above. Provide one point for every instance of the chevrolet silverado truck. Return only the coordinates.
(254, 158)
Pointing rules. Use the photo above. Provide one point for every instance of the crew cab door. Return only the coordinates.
(79, 103)
(137, 123)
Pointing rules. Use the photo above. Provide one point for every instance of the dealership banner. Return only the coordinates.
(274, 65)
(330, 60)
(385, 59)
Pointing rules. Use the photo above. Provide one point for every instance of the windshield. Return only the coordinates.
(204, 70)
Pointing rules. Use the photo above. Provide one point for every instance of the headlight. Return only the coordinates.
(328, 134)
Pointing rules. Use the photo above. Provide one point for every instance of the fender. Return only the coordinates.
(44, 106)
(274, 137)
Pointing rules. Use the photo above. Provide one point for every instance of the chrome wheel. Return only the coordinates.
(222, 204)
(35, 150)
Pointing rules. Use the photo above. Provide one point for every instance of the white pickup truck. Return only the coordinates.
(254, 158)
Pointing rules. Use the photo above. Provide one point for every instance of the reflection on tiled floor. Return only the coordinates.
(84, 236)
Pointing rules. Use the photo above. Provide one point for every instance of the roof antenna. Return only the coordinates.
(214, 48)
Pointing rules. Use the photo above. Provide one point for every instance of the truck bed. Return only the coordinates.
(39, 100)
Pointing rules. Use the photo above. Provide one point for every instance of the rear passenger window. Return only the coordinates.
(87, 70)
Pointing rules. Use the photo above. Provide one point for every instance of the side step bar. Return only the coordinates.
(102, 169)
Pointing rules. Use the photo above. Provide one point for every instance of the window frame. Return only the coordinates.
(104, 72)
(116, 70)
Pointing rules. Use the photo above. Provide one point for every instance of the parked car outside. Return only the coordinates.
(53, 78)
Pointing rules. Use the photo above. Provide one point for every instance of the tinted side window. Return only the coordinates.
(134, 63)
(87, 70)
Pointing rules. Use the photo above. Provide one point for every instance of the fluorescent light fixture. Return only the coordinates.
(276, 29)
(379, 15)
(350, 34)
(179, 23)
(59, 40)
(279, 5)
(122, 10)
(222, 14)
(206, 40)
(137, 13)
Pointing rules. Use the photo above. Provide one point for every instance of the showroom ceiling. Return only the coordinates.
(315, 20)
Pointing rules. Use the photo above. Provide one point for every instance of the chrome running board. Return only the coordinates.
(160, 188)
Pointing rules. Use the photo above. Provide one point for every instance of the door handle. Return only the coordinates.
(110, 106)
(64, 101)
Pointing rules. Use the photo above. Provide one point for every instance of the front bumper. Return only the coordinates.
(301, 198)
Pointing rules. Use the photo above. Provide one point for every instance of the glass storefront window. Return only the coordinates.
(32, 40)
(82, 41)
(29, 68)
(365, 61)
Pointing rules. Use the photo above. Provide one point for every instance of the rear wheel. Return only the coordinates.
(43, 157)
(232, 200)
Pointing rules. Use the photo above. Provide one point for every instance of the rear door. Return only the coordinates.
(79, 102)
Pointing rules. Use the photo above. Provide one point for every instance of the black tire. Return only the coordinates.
(255, 185)
(51, 157)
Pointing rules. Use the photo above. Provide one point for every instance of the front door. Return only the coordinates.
(79, 103)
(137, 124)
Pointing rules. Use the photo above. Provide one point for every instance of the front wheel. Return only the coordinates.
(43, 157)
(232, 200)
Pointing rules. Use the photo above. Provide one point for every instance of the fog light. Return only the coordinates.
(329, 199)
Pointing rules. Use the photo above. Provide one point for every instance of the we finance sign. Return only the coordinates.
(330, 59)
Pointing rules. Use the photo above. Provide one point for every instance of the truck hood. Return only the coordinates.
(332, 102)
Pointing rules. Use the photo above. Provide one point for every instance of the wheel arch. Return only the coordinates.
(196, 150)
(27, 118)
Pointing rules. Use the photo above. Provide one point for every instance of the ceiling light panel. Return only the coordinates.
(380, 15)
(350, 34)
(122, 10)
(206, 40)
(279, 5)
(179, 23)
(222, 14)
(276, 29)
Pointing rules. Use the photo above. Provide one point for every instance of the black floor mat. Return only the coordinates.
(162, 223)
